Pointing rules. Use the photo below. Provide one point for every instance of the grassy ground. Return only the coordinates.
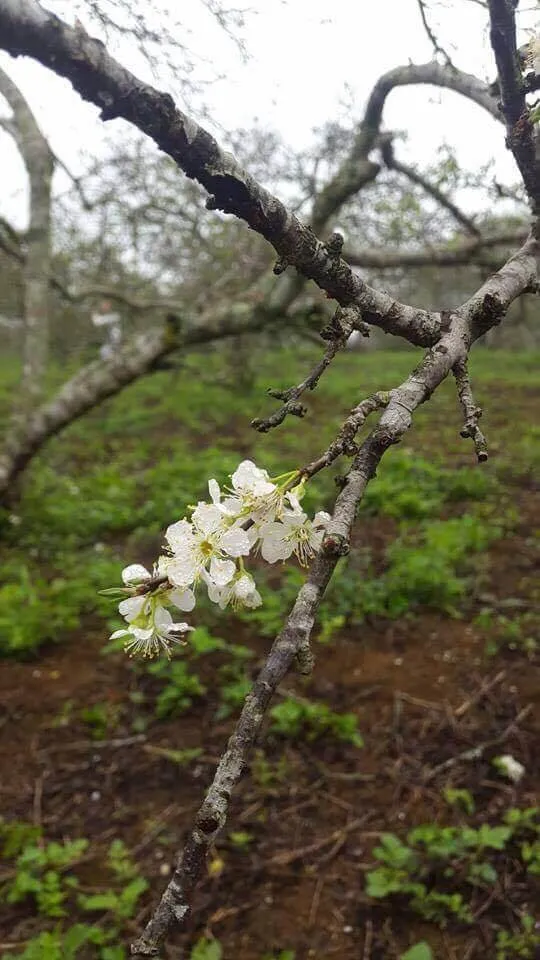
(366, 825)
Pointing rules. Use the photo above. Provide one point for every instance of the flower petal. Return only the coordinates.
(274, 545)
(135, 573)
(253, 600)
(178, 534)
(162, 619)
(183, 599)
(214, 491)
(321, 519)
(207, 518)
(142, 634)
(235, 542)
(132, 607)
(183, 571)
(179, 628)
(221, 571)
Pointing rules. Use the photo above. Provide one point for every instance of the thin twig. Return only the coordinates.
(433, 39)
(315, 902)
(368, 940)
(430, 188)
(289, 856)
(475, 753)
(36, 807)
(471, 412)
(345, 440)
(485, 688)
(337, 332)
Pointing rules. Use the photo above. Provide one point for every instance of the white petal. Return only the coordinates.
(263, 488)
(214, 592)
(294, 502)
(132, 607)
(254, 600)
(182, 572)
(274, 546)
(316, 538)
(162, 566)
(119, 633)
(180, 628)
(246, 474)
(321, 519)
(222, 571)
(135, 573)
(244, 586)
(207, 518)
(235, 542)
(294, 518)
(183, 599)
(214, 491)
(232, 506)
(179, 533)
(141, 634)
(162, 619)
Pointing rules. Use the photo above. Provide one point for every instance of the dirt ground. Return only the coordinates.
(424, 693)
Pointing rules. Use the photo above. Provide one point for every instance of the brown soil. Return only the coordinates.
(423, 692)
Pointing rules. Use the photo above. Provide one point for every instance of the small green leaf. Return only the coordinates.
(420, 951)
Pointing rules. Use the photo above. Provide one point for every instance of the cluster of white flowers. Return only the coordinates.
(256, 514)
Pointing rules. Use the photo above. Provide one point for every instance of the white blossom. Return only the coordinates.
(209, 541)
(255, 496)
(150, 625)
(510, 767)
(294, 533)
(239, 592)
(255, 511)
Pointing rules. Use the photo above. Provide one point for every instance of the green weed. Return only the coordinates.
(301, 718)
(436, 858)
(45, 872)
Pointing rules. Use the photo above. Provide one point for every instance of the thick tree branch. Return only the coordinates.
(521, 138)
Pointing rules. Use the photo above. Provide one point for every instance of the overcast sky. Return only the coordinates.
(303, 55)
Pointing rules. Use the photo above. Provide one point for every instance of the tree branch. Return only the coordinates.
(464, 253)
(292, 644)
(356, 170)
(521, 139)
(26, 28)
(432, 38)
(430, 188)
(39, 164)
(337, 332)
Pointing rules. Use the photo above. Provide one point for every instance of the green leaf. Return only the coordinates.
(99, 901)
(420, 951)
(206, 950)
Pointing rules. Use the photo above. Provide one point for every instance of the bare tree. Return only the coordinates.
(39, 163)
(27, 28)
